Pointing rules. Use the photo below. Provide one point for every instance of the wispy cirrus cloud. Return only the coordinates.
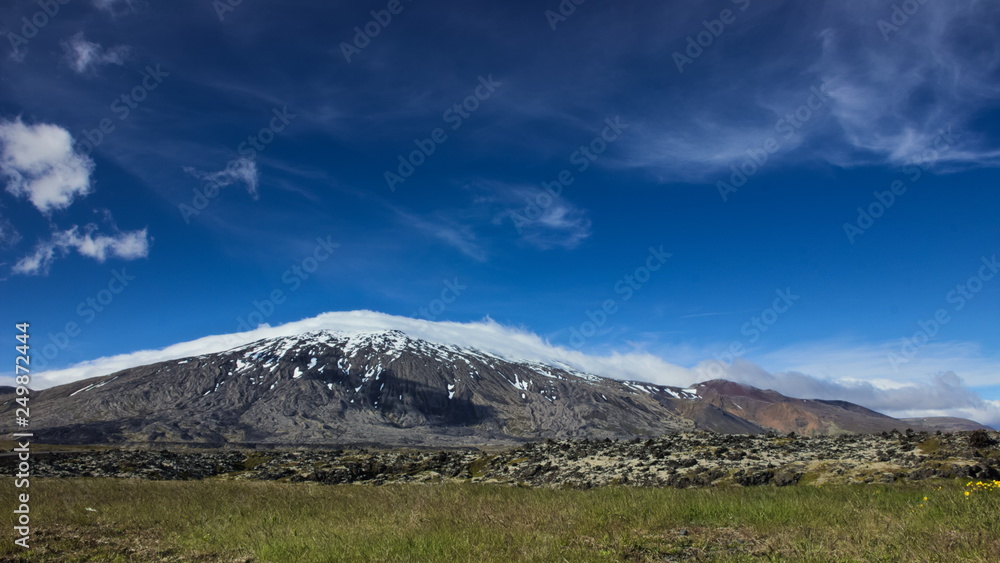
(456, 235)
(238, 171)
(496, 209)
(84, 56)
(116, 7)
(539, 217)
(9, 235)
(558, 225)
(890, 98)
(895, 89)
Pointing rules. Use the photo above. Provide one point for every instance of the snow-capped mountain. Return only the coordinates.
(362, 387)
(378, 387)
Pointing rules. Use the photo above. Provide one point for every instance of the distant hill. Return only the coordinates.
(771, 409)
(946, 424)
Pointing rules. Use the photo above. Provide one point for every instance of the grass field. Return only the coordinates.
(225, 520)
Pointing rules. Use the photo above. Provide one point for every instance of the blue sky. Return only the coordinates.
(826, 107)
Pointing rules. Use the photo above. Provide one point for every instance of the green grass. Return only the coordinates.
(254, 460)
(930, 446)
(232, 520)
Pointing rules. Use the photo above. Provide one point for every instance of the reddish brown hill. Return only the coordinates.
(810, 417)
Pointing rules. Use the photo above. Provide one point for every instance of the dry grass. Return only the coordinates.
(220, 520)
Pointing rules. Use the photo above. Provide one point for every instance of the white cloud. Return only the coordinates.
(40, 164)
(987, 413)
(38, 262)
(844, 360)
(943, 394)
(240, 170)
(83, 55)
(125, 245)
(935, 382)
